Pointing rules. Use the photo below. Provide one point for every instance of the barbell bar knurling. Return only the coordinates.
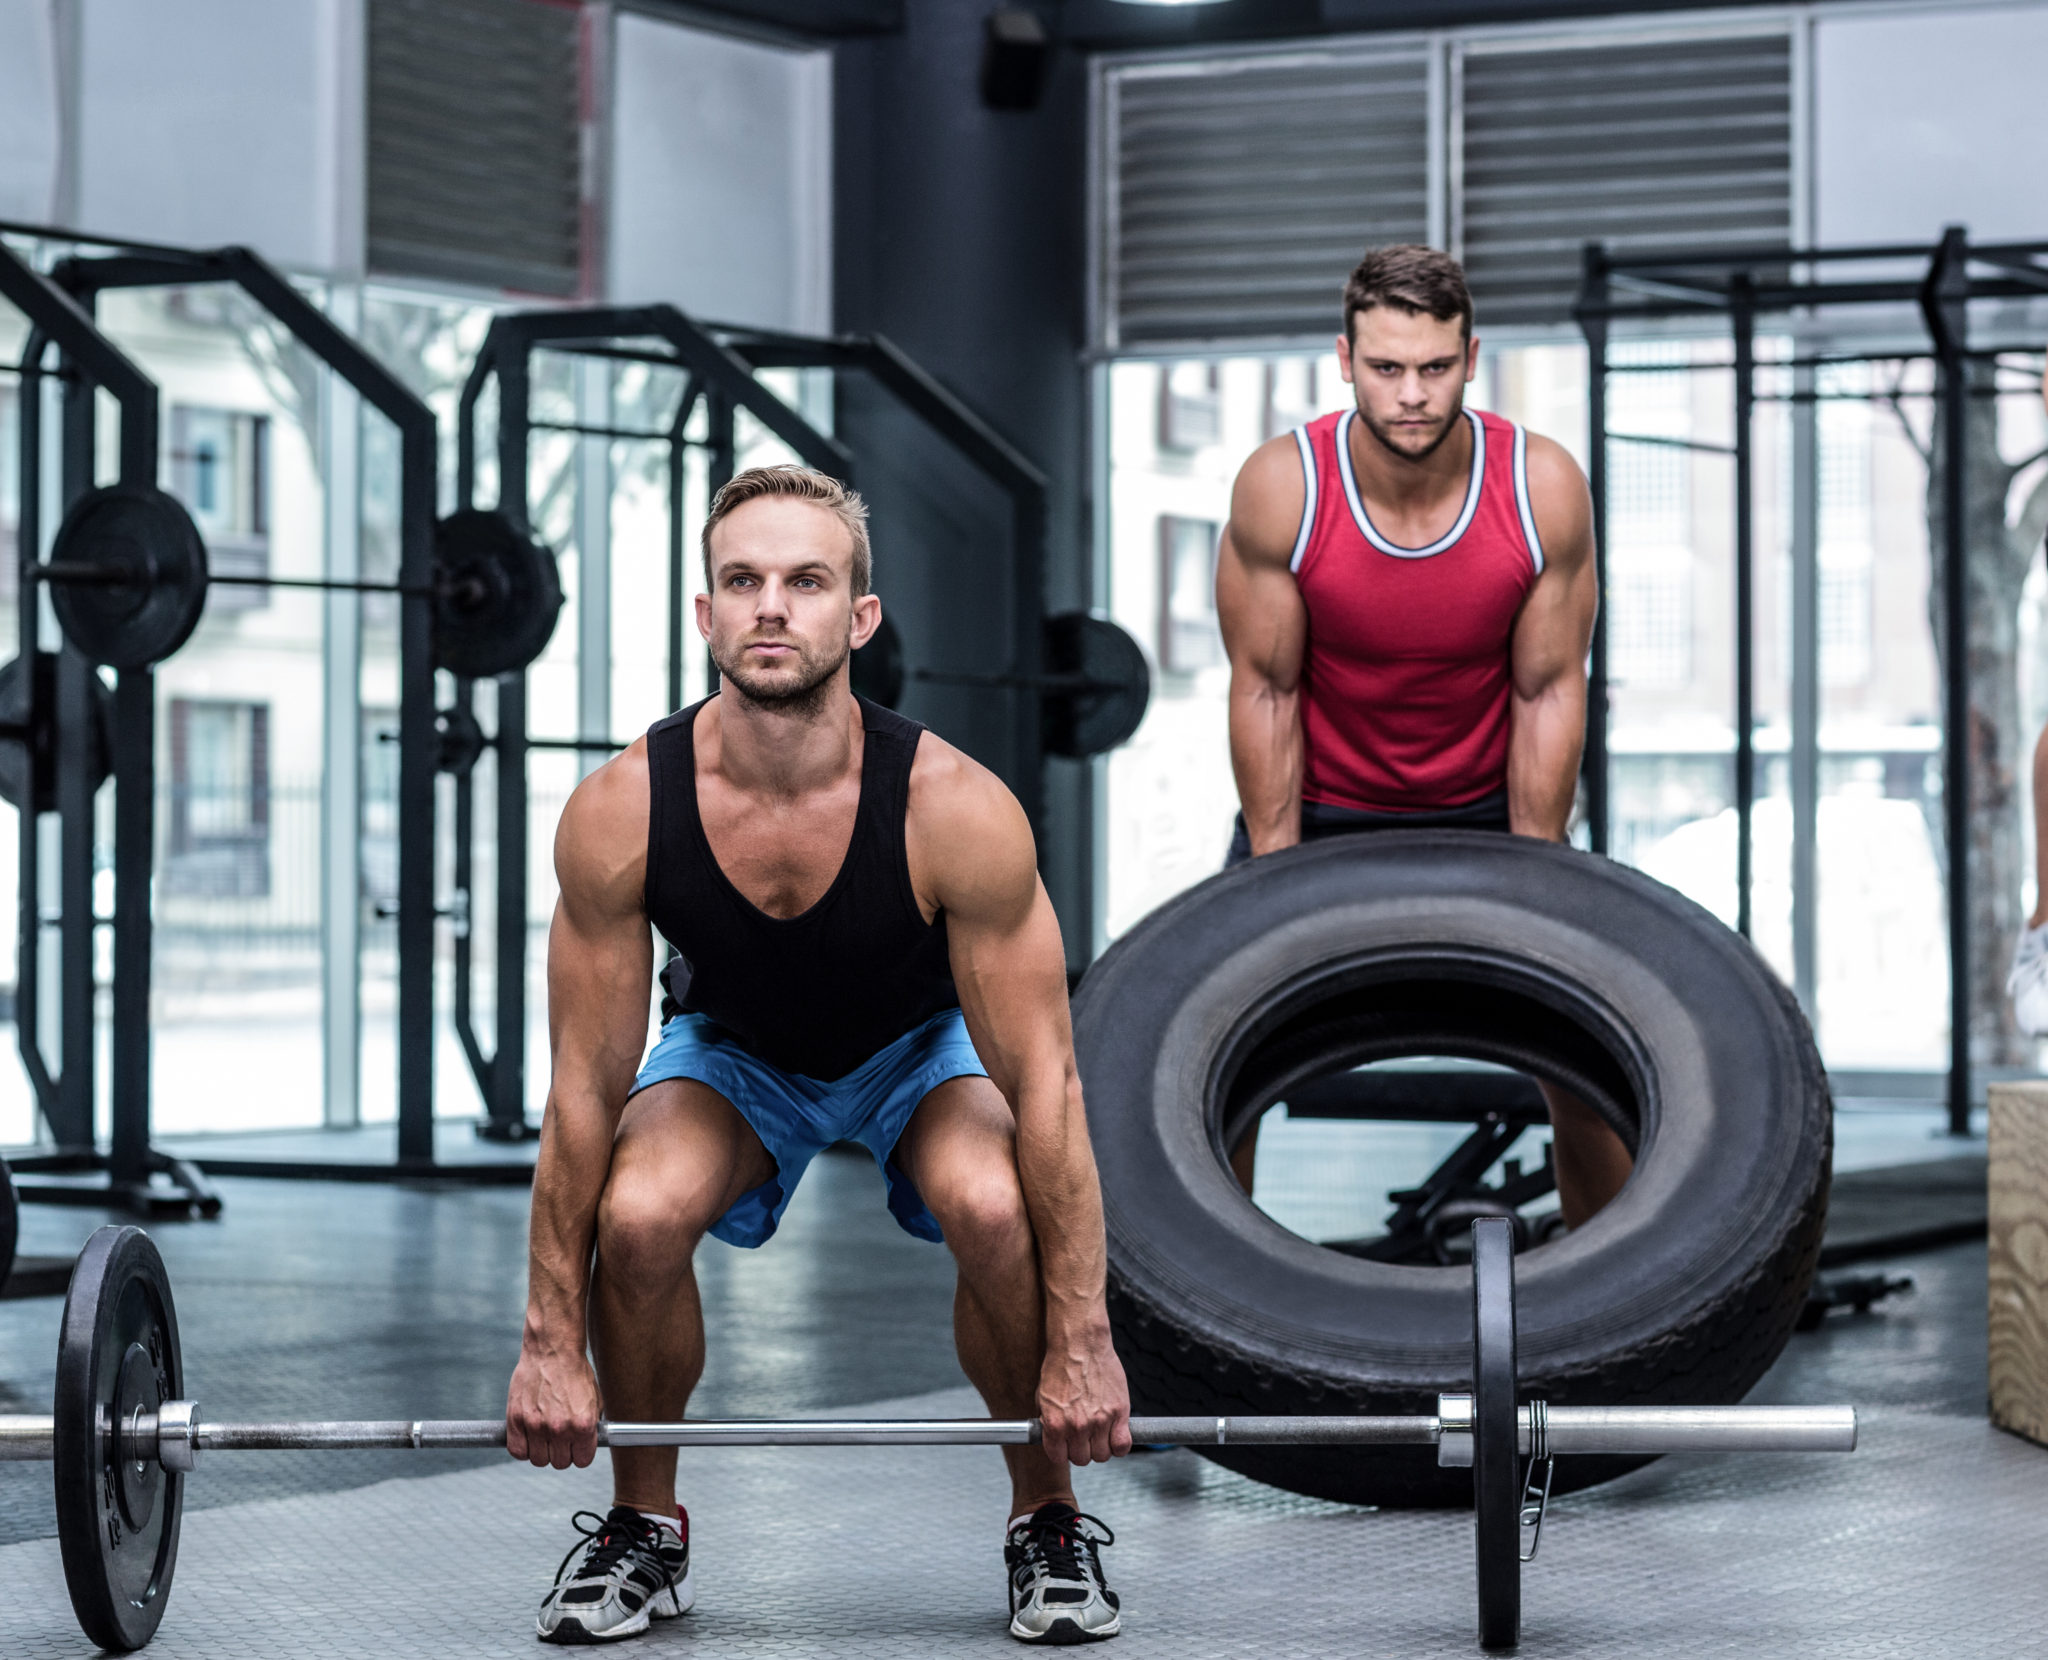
(1636, 1430)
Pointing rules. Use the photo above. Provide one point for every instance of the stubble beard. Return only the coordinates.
(1386, 437)
(800, 697)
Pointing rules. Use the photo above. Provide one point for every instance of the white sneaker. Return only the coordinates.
(1057, 1592)
(2027, 984)
(628, 1570)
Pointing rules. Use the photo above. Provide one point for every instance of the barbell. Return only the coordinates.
(128, 576)
(123, 1436)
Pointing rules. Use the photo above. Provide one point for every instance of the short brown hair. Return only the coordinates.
(1420, 281)
(797, 484)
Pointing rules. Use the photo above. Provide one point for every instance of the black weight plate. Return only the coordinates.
(144, 536)
(877, 668)
(1094, 718)
(462, 740)
(117, 1523)
(10, 1221)
(1496, 1462)
(497, 594)
(23, 759)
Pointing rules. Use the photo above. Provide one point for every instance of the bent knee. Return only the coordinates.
(643, 1232)
(983, 1210)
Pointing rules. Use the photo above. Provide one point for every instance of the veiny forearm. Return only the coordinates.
(1056, 1166)
(1546, 739)
(1266, 756)
(568, 1181)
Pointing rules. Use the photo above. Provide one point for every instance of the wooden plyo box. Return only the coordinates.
(2019, 1259)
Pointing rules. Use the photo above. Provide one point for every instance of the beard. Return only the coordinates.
(801, 694)
(1387, 435)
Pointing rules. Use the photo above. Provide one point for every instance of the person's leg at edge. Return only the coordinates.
(1591, 1160)
(2040, 913)
(681, 1158)
(959, 1151)
(2027, 984)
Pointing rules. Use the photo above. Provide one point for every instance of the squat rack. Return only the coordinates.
(1743, 284)
(60, 309)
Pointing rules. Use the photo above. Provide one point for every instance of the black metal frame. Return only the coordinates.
(718, 363)
(88, 364)
(79, 280)
(1742, 284)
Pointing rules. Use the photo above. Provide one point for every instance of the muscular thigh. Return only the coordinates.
(962, 1133)
(683, 1150)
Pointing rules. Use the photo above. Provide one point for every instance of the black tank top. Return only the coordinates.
(818, 993)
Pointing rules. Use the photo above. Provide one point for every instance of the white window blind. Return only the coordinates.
(1658, 143)
(1236, 194)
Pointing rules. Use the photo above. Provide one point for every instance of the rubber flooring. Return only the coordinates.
(325, 1300)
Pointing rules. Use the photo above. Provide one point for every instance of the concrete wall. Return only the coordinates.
(1931, 118)
(216, 121)
(29, 113)
(721, 176)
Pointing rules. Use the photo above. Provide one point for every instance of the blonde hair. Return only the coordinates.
(797, 484)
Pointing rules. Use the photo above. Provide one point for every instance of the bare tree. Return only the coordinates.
(2002, 545)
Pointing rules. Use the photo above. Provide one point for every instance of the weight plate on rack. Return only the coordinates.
(1496, 1460)
(877, 668)
(148, 562)
(1115, 685)
(497, 594)
(117, 1516)
(25, 762)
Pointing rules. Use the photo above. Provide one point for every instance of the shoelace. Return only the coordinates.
(1062, 1547)
(614, 1540)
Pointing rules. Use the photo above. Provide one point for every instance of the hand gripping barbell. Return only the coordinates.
(128, 575)
(123, 1437)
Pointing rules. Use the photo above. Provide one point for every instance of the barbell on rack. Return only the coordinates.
(128, 576)
(123, 1437)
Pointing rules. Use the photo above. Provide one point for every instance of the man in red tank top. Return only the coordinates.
(1407, 592)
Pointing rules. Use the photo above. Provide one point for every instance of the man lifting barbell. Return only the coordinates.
(865, 954)
(1407, 592)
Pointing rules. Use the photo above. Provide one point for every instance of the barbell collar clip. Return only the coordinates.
(177, 1436)
(1455, 1421)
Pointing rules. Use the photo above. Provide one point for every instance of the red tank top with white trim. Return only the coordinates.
(1405, 684)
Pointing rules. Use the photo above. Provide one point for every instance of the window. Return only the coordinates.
(379, 838)
(220, 465)
(1845, 551)
(1189, 638)
(1190, 406)
(220, 800)
(1290, 394)
(1649, 640)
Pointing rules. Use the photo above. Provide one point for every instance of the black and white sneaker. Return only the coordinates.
(1057, 1592)
(628, 1570)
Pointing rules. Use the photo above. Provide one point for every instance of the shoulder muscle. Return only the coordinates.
(601, 841)
(1267, 502)
(1561, 502)
(971, 850)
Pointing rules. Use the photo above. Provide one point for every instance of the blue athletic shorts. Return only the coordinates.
(797, 1118)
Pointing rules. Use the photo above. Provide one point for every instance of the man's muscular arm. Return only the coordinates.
(973, 853)
(1265, 634)
(1547, 730)
(600, 962)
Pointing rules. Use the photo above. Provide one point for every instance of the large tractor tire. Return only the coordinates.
(1493, 948)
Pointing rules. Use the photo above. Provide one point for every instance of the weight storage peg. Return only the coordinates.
(124, 1436)
(128, 576)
